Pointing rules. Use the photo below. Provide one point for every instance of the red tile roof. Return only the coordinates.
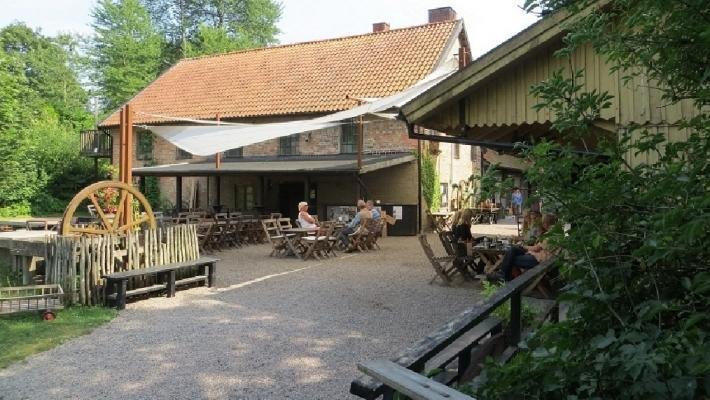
(311, 77)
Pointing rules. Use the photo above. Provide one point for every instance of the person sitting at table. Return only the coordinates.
(304, 219)
(526, 257)
(351, 227)
(375, 212)
(462, 225)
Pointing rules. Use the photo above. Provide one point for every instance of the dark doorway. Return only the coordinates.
(290, 194)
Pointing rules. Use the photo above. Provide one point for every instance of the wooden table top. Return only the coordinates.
(300, 230)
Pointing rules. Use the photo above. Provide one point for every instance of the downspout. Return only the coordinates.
(410, 129)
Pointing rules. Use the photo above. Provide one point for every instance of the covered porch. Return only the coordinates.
(330, 184)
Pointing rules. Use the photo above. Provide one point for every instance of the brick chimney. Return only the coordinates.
(380, 27)
(441, 14)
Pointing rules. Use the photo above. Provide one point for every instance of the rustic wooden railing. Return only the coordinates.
(77, 263)
(467, 338)
(96, 143)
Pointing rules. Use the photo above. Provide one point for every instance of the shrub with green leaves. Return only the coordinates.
(431, 190)
(636, 257)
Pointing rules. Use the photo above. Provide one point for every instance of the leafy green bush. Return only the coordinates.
(431, 188)
(22, 209)
(527, 312)
(636, 257)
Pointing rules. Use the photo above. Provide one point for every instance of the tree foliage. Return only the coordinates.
(126, 50)
(636, 256)
(431, 190)
(42, 108)
(197, 27)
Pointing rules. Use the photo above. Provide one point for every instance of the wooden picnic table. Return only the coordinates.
(301, 231)
(491, 256)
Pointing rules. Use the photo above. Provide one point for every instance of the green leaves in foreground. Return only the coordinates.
(635, 258)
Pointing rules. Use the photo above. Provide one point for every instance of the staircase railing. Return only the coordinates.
(466, 340)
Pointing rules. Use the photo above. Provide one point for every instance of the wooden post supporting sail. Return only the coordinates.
(217, 165)
(360, 142)
(218, 155)
(125, 165)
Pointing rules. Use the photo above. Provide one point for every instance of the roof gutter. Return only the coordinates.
(483, 143)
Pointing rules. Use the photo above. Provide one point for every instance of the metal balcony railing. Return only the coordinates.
(96, 143)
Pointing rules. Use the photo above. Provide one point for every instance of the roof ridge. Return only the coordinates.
(280, 46)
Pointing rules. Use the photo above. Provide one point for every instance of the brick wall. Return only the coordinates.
(379, 135)
(387, 135)
(320, 142)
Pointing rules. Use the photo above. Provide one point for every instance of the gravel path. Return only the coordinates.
(272, 329)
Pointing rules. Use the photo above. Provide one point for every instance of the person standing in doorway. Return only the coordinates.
(517, 201)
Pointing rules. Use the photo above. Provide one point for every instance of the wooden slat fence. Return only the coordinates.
(78, 262)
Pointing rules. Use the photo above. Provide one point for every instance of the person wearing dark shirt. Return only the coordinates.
(462, 226)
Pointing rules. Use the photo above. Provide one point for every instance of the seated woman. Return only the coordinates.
(526, 257)
(304, 219)
(462, 225)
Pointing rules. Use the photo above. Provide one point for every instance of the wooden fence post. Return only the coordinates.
(515, 318)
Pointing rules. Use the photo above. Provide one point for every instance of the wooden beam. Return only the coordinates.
(218, 200)
(121, 145)
(178, 193)
(360, 141)
(408, 383)
(127, 214)
(218, 159)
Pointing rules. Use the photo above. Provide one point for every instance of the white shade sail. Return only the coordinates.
(210, 137)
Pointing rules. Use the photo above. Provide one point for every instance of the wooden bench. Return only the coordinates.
(118, 281)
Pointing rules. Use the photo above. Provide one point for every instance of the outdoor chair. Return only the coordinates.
(462, 262)
(37, 225)
(357, 239)
(204, 236)
(374, 228)
(281, 244)
(443, 266)
(285, 223)
(320, 245)
(328, 229)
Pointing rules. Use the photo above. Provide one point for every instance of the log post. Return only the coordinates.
(515, 318)
(178, 193)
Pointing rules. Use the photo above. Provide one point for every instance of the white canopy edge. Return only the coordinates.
(207, 139)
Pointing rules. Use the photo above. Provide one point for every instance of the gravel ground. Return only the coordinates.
(271, 329)
(504, 227)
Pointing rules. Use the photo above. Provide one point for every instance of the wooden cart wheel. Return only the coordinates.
(108, 223)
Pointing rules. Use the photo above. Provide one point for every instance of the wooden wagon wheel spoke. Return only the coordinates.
(122, 219)
(99, 210)
(134, 223)
(119, 211)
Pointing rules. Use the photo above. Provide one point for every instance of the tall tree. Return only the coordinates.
(195, 27)
(126, 50)
(46, 64)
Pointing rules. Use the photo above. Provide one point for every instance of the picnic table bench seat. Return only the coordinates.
(118, 281)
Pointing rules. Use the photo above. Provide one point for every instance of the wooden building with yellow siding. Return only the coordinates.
(489, 102)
